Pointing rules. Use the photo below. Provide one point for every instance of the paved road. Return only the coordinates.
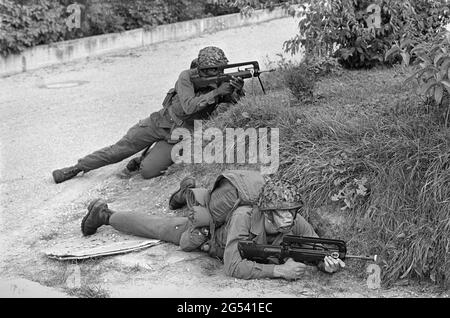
(43, 129)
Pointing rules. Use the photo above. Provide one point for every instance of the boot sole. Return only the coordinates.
(90, 206)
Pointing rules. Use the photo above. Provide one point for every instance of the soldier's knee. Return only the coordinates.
(157, 160)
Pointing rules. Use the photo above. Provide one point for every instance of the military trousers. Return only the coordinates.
(146, 133)
(168, 229)
(178, 230)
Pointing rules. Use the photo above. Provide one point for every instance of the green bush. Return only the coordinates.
(323, 66)
(432, 74)
(431, 66)
(27, 23)
(339, 28)
(101, 18)
(25, 26)
(116, 16)
(300, 81)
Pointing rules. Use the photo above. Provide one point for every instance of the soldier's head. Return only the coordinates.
(194, 64)
(280, 202)
(210, 56)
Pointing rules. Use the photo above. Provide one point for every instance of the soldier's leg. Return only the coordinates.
(138, 137)
(168, 229)
(157, 160)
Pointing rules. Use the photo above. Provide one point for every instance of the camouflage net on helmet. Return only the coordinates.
(279, 194)
(211, 56)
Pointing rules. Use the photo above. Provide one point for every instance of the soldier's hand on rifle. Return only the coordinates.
(224, 89)
(237, 83)
(290, 270)
(332, 264)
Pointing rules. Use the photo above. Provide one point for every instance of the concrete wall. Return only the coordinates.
(62, 52)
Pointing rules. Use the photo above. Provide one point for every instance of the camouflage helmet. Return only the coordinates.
(211, 56)
(279, 194)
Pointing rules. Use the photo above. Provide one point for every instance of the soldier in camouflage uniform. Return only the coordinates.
(182, 105)
(220, 218)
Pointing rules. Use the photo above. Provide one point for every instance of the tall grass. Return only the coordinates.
(366, 126)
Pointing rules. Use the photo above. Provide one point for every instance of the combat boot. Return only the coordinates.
(64, 174)
(98, 215)
(132, 166)
(178, 199)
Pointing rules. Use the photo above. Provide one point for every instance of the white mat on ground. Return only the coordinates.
(66, 251)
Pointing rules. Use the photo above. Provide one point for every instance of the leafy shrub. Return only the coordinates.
(288, 75)
(300, 81)
(339, 28)
(24, 26)
(323, 65)
(432, 73)
(115, 16)
(429, 21)
(28, 23)
(431, 65)
(352, 191)
(221, 8)
(101, 18)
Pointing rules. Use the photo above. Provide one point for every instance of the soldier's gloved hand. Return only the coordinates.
(237, 83)
(332, 265)
(290, 270)
(224, 89)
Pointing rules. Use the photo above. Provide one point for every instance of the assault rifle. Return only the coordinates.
(249, 72)
(308, 250)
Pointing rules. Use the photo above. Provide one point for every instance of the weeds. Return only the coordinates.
(300, 81)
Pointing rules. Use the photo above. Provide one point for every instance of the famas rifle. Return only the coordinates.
(308, 250)
(252, 70)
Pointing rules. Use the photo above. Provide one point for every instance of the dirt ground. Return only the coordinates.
(45, 129)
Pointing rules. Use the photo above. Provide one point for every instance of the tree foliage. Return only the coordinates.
(27, 23)
(345, 29)
(24, 26)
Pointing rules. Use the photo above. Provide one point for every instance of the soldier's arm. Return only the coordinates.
(188, 99)
(235, 266)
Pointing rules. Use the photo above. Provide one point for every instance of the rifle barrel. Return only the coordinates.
(267, 71)
(366, 258)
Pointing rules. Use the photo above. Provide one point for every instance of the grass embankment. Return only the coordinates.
(371, 149)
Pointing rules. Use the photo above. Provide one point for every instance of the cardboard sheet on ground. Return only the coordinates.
(69, 251)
